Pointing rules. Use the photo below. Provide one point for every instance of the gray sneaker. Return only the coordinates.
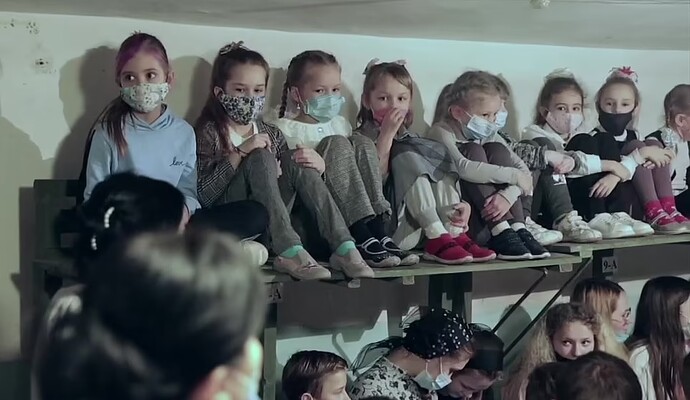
(302, 267)
(352, 265)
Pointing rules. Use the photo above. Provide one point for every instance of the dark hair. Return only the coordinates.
(541, 384)
(598, 375)
(377, 398)
(305, 370)
(488, 352)
(657, 325)
(373, 76)
(115, 113)
(160, 312)
(295, 72)
(677, 101)
(686, 375)
(134, 204)
(229, 57)
(552, 87)
(617, 80)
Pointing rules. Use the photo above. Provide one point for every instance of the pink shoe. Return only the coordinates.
(479, 254)
(445, 250)
(664, 224)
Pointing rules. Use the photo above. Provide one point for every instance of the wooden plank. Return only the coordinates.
(586, 249)
(431, 268)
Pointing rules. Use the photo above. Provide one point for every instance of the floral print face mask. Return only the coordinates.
(242, 109)
(145, 97)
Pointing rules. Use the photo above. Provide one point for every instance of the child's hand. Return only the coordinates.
(525, 183)
(604, 186)
(495, 207)
(561, 163)
(392, 122)
(660, 157)
(460, 216)
(259, 141)
(309, 158)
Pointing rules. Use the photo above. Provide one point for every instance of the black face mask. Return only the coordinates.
(560, 358)
(615, 123)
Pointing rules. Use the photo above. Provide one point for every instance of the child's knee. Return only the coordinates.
(497, 153)
(262, 156)
(336, 143)
(474, 151)
(362, 142)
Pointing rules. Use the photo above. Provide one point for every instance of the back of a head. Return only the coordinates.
(304, 371)
(159, 314)
(598, 375)
(542, 382)
(121, 206)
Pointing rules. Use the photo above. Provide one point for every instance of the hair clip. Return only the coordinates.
(624, 72)
(106, 217)
(230, 47)
(400, 62)
(94, 246)
(559, 73)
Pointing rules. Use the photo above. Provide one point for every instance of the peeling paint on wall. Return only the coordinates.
(44, 65)
(30, 26)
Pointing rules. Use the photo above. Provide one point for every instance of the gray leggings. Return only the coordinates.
(477, 193)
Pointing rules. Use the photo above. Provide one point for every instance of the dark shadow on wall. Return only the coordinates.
(20, 163)
(276, 80)
(512, 127)
(419, 125)
(87, 85)
(191, 86)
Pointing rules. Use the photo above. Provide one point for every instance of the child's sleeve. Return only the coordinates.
(642, 369)
(533, 156)
(213, 168)
(474, 171)
(188, 181)
(101, 162)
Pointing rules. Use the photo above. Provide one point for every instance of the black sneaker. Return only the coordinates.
(537, 250)
(406, 257)
(376, 256)
(508, 246)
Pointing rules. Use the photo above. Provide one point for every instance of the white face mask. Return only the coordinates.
(425, 380)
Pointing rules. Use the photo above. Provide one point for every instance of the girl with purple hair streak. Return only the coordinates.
(137, 132)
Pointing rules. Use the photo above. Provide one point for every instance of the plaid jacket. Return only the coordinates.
(214, 170)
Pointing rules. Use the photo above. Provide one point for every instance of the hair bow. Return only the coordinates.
(559, 73)
(624, 72)
(230, 47)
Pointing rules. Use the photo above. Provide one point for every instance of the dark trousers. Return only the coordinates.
(683, 202)
(605, 146)
(245, 219)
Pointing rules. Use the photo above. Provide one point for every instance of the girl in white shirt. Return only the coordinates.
(658, 343)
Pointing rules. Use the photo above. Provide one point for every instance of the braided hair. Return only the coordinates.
(295, 72)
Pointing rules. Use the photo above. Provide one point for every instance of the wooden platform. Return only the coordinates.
(586, 250)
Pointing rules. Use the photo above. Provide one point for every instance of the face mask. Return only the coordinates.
(501, 119)
(242, 109)
(622, 337)
(615, 123)
(425, 380)
(479, 129)
(564, 124)
(145, 97)
(324, 108)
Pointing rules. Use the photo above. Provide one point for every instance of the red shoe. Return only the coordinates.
(446, 251)
(479, 254)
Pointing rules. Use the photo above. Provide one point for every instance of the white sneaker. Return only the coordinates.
(255, 252)
(611, 227)
(640, 228)
(575, 229)
(544, 236)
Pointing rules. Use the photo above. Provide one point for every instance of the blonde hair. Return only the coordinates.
(602, 296)
(677, 101)
(539, 349)
(461, 91)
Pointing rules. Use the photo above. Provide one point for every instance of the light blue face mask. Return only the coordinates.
(479, 129)
(425, 380)
(324, 108)
(502, 119)
(622, 337)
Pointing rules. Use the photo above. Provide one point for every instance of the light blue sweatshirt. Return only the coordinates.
(164, 150)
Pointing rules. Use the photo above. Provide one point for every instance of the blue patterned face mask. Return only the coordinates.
(324, 108)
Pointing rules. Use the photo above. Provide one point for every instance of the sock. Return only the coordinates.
(292, 251)
(653, 209)
(360, 231)
(502, 226)
(669, 205)
(377, 227)
(517, 226)
(345, 248)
